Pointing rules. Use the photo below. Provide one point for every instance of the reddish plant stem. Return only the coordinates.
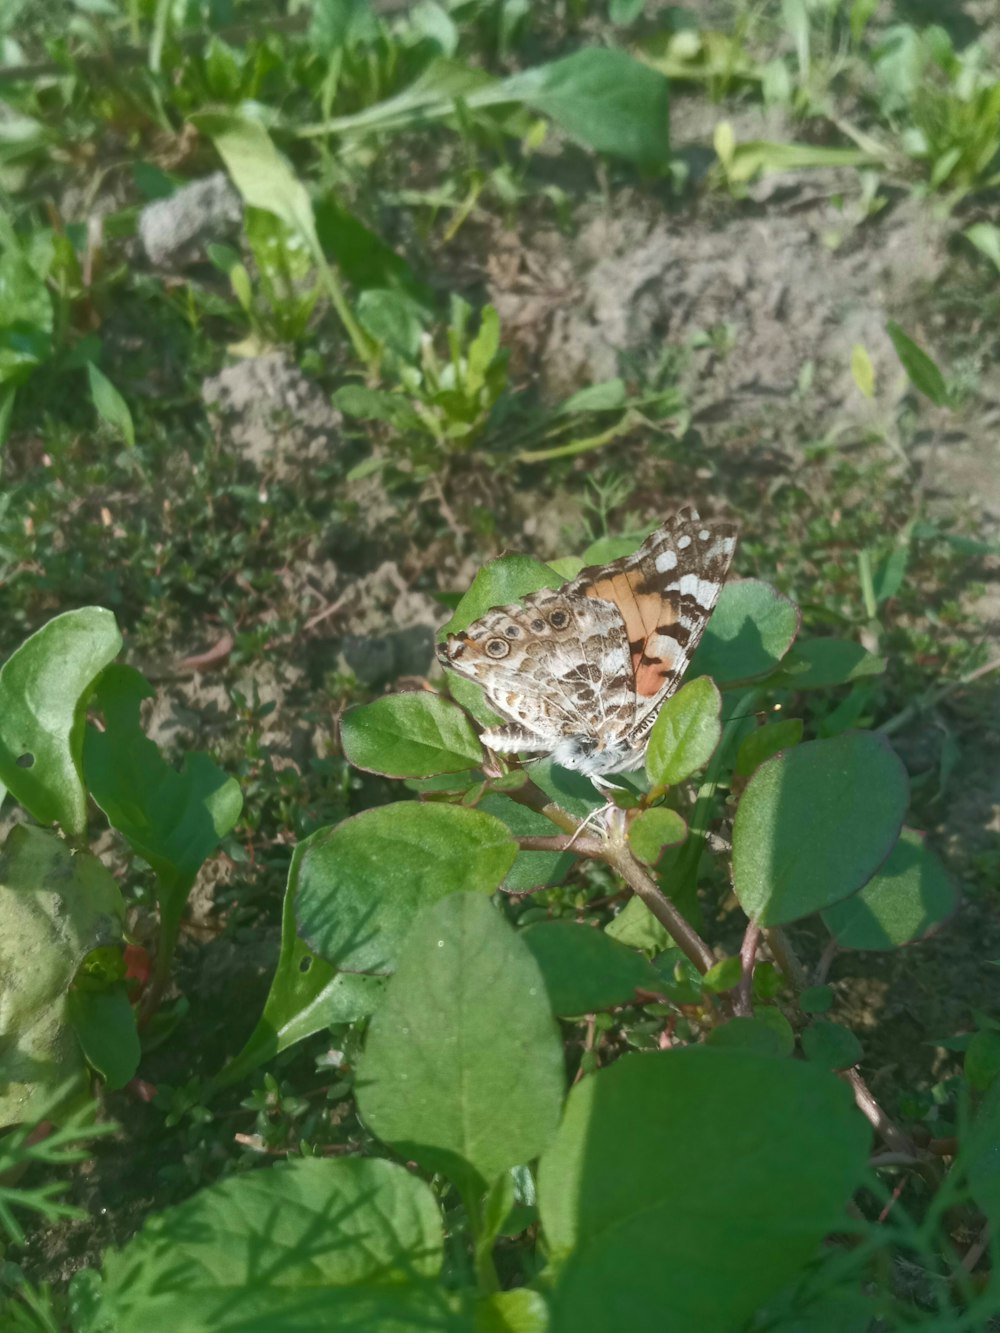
(559, 842)
(743, 1002)
(614, 851)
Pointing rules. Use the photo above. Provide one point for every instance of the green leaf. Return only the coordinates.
(282, 1248)
(751, 629)
(603, 98)
(906, 898)
(360, 884)
(26, 319)
(819, 664)
(765, 742)
(653, 830)
(862, 370)
(306, 996)
(104, 1023)
(814, 825)
(463, 1067)
(499, 583)
(831, 1044)
(172, 820)
(111, 406)
(921, 371)
(723, 976)
(816, 999)
(413, 735)
(674, 1195)
(985, 236)
(758, 1034)
(636, 926)
(982, 1060)
(569, 789)
(259, 172)
(530, 870)
(978, 1158)
(56, 906)
(393, 319)
(584, 969)
(685, 734)
(608, 396)
(43, 691)
(519, 1310)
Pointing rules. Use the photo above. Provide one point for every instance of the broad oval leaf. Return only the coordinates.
(766, 741)
(674, 1197)
(174, 820)
(751, 629)
(604, 99)
(306, 996)
(921, 371)
(585, 969)
(104, 1024)
(498, 583)
(43, 687)
(463, 1069)
(653, 830)
(56, 907)
(831, 1044)
(817, 664)
(904, 900)
(755, 1034)
(685, 733)
(359, 1232)
(814, 825)
(414, 735)
(359, 885)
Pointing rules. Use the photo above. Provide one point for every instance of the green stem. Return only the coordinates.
(482, 1244)
(364, 348)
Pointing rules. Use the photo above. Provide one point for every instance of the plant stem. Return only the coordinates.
(560, 842)
(743, 1006)
(935, 696)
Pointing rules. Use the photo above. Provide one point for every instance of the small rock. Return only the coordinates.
(175, 230)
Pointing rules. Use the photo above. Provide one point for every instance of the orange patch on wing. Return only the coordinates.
(642, 613)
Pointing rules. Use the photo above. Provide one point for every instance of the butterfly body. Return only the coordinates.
(580, 672)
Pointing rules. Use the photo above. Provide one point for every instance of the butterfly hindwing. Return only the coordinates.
(666, 593)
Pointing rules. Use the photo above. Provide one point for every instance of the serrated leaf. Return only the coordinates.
(685, 734)
(463, 1068)
(412, 735)
(360, 885)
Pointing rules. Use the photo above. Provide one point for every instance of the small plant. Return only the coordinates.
(62, 913)
(713, 1155)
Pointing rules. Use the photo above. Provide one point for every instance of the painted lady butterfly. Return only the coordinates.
(581, 671)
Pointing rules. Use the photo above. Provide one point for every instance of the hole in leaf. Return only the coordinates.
(26, 761)
(305, 964)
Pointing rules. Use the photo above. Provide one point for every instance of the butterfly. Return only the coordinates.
(580, 672)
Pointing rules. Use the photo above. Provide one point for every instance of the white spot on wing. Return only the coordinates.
(666, 561)
(702, 590)
(683, 542)
(704, 535)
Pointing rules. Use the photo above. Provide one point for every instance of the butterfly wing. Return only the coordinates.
(665, 593)
(556, 666)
